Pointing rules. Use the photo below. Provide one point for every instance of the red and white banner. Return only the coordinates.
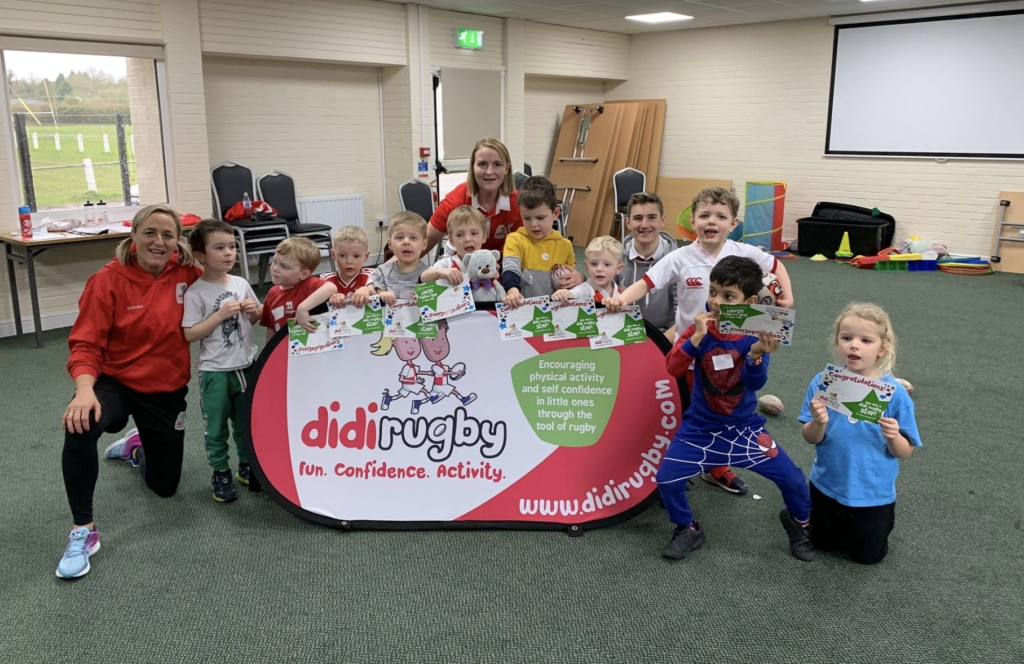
(462, 430)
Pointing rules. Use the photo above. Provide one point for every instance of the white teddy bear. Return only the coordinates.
(482, 269)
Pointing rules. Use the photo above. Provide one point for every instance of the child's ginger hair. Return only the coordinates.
(606, 244)
(302, 249)
(464, 215)
(350, 234)
(875, 314)
(408, 218)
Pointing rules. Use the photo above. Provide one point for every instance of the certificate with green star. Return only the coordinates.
(438, 301)
(853, 395)
(749, 319)
(349, 321)
(625, 327)
(301, 342)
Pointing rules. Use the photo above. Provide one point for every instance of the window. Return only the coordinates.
(84, 127)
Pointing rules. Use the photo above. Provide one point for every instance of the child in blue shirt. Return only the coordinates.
(853, 479)
(721, 427)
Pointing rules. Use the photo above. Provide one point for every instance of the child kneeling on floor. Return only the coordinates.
(853, 479)
(721, 426)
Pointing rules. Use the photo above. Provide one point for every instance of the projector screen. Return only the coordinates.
(942, 87)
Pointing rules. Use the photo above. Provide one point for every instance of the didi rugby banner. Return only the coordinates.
(462, 430)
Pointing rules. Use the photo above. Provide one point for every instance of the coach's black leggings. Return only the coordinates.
(160, 419)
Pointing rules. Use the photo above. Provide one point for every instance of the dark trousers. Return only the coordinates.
(160, 419)
(862, 532)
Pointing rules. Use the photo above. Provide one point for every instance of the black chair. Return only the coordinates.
(230, 181)
(625, 183)
(519, 178)
(417, 196)
(277, 189)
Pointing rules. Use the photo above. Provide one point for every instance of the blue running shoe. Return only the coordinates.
(223, 486)
(124, 448)
(82, 543)
(386, 400)
(243, 474)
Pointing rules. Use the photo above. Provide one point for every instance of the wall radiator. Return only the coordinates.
(334, 210)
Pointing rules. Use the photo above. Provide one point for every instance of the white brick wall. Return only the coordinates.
(354, 31)
(319, 123)
(751, 102)
(83, 18)
(546, 99)
(515, 93)
(442, 41)
(552, 50)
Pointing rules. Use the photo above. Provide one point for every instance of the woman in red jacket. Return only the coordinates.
(129, 357)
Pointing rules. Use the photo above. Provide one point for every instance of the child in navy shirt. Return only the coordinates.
(721, 427)
(853, 479)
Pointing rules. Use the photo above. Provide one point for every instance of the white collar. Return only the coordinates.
(504, 204)
(634, 254)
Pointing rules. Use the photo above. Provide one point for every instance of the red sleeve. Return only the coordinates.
(679, 358)
(454, 199)
(266, 317)
(91, 331)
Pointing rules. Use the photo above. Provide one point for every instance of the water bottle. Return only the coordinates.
(90, 214)
(102, 217)
(247, 204)
(25, 220)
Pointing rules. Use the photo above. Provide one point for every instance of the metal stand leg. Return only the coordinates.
(264, 259)
(30, 263)
(9, 255)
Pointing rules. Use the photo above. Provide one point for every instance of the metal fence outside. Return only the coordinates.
(67, 161)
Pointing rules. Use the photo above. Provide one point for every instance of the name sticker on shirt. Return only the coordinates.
(722, 362)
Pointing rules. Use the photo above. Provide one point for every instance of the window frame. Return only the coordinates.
(71, 47)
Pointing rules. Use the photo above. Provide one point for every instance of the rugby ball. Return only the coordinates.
(771, 291)
(770, 405)
(906, 385)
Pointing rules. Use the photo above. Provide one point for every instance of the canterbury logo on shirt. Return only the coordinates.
(694, 282)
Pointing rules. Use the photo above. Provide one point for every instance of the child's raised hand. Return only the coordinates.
(513, 299)
(561, 295)
(766, 343)
(890, 427)
(704, 321)
(249, 305)
(819, 411)
(451, 274)
(338, 300)
(302, 320)
(229, 309)
(387, 297)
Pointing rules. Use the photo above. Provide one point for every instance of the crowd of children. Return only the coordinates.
(849, 503)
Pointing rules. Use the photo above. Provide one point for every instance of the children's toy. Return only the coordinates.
(769, 405)
(482, 269)
(818, 258)
(762, 223)
(772, 290)
(844, 247)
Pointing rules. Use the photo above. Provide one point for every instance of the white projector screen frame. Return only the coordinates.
(891, 94)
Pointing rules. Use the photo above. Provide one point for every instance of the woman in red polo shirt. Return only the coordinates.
(491, 189)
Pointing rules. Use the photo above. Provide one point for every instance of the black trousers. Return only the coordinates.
(862, 532)
(160, 419)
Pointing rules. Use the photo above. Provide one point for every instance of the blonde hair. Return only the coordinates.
(874, 314)
(303, 249)
(508, 184)
(350, 234)
(123, 253)
(383, 346)
(464, 215)
(408, 218)
(605, 243)
(716, 196)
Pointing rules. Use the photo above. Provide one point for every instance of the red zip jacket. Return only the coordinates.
(129, 327)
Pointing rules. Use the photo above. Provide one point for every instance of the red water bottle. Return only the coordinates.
(25, 216)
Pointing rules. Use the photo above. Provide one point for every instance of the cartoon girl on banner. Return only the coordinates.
(436, 350)
(411, 383)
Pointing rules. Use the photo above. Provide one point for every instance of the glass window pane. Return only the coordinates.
(86, 128)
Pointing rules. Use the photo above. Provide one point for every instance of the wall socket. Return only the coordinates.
(381, 223)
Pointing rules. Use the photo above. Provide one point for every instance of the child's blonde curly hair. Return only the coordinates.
(875, 314)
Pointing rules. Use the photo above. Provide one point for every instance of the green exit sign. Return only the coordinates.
(466, 38)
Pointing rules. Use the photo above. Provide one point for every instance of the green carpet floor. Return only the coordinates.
(189, 580)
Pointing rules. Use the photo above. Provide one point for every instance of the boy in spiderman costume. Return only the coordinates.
(722, 426)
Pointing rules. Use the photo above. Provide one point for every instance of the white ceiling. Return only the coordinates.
(609, 15)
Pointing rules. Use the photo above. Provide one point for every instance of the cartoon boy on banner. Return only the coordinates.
(436, 350)
(408, 349)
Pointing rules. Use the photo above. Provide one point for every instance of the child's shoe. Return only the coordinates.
(243, 474)
(727, 482)
(416, 403)
(82, 543)
(223, 487)
(124, 448)
(684, 540)
(468, 400)
(799, 538)
(385, 401)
